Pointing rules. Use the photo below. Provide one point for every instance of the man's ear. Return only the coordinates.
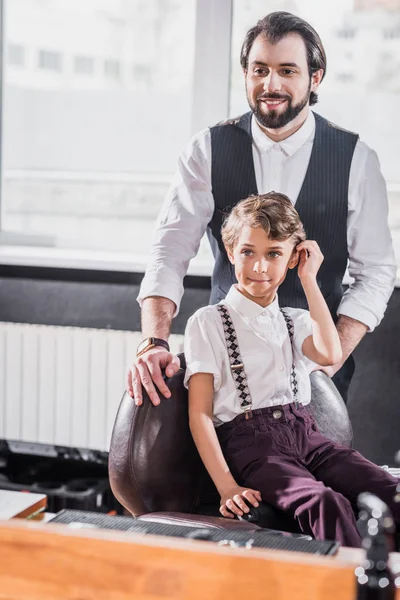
(316, 79)
(294, 259)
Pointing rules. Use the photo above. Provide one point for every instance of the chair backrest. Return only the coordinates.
(329, 410)
(153, 462)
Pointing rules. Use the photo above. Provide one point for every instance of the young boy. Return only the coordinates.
(248, 365)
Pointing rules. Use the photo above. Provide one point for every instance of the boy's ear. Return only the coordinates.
(294, 259)
(230, 255)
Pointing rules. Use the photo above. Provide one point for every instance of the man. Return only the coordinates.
(332, 178)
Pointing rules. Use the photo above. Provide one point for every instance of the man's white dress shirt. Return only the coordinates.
(279, 166)
(265, 349)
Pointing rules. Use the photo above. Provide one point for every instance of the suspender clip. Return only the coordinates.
(238, 366)
(248, 413)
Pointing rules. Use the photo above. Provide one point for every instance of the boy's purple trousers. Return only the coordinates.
(280, 452)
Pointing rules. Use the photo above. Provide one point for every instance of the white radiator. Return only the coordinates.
(62, 385)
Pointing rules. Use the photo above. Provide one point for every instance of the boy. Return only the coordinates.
(248, 365)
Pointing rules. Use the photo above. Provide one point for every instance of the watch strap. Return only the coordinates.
(152, 342)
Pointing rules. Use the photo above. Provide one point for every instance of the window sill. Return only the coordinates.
(30, 258)
(91, 260)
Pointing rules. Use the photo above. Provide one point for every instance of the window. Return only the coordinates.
(345, 77)
(346, 34)
(142, 74)
(392, 34)
(83, 65)
(15, 55)
(112, 69)
(107, 99)
(50, 60)
(86, 165)
(373, 80)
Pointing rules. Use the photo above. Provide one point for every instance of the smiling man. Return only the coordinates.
(331, 177)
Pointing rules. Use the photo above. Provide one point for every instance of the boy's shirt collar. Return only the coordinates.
(291, 144)
(249, 309)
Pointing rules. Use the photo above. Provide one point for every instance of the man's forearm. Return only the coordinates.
(351, 333)
(157, 314)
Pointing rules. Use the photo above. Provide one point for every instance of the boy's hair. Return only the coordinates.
(272, 212)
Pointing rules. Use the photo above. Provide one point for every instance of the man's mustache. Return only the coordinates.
(273, 97)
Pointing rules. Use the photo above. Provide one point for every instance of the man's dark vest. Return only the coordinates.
(322, 204)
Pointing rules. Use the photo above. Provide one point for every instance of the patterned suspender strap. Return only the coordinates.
(293, 378)
(235, 360)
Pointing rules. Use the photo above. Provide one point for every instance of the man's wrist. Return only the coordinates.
(151, 342)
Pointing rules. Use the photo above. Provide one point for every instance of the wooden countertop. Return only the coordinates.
(48, 562)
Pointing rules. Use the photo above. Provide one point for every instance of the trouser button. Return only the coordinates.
(277, 414)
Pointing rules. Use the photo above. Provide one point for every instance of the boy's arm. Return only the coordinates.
(201, 390)
(323, 346)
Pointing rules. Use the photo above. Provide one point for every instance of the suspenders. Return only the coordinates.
(236, 362)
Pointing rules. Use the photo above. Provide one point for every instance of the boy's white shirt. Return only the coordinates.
(265, 348)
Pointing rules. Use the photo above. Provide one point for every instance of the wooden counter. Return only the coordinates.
(43, 562)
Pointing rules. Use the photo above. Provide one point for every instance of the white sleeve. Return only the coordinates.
(202, 349)
(302, 329)
(372, 261)
(186, 212)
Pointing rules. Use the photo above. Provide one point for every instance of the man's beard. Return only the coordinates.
(274, 119)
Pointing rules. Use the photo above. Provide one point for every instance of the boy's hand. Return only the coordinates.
(310, 259)
(232, 501)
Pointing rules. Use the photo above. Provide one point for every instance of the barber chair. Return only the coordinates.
(158, 476)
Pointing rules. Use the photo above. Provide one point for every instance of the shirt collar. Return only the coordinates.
(291, 144)
(248, 308)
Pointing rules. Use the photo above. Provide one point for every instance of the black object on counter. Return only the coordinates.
(375, 580)
(75, 478)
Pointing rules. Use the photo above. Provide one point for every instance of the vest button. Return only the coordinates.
(277, 414)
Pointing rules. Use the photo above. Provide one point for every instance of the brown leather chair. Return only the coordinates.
(156, 472)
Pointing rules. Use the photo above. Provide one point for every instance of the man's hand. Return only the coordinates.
(232, 501)
(147, 371)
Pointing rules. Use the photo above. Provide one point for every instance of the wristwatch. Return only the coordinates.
(150, 342)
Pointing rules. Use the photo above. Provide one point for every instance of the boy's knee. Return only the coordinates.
(332, 500)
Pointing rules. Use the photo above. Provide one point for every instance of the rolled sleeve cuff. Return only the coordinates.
(303, 333)
(167, 286)
(302, 330)
(359, 313)
(202, 367)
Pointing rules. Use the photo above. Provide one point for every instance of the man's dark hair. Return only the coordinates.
(276, 26)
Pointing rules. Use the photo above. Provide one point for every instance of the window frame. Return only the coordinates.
(213, 25)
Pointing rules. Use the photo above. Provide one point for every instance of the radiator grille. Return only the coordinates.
(62, 385)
